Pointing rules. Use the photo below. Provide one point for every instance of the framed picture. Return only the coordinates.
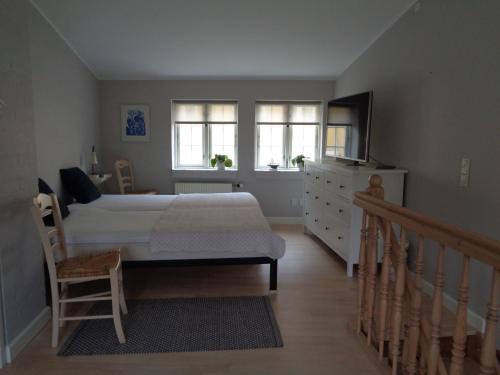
(135, 123)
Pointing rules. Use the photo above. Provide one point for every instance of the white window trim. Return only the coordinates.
(287, 133)
(207, 135)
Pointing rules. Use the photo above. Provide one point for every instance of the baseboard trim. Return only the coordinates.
(285, 220)
(27, 334)
(474, 320)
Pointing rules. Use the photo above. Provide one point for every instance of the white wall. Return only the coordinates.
(22, 281)
(153, 160)
(66, 103)
(436, 81)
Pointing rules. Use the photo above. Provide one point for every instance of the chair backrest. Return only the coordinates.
(53, 239)
(125, 180)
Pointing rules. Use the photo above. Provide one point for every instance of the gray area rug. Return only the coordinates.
(179, 325)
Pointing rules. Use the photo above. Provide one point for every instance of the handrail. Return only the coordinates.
(413, 337)
(476, 246)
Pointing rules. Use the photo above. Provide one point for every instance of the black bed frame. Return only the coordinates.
(273, 265)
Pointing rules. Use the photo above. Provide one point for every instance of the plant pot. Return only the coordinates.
(221, 166)
(300, 166)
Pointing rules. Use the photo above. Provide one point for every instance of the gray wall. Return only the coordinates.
(153, 160)
(66, 103)
(20, 253)
(436, 83)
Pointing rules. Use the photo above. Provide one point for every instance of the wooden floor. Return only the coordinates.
(313, 306)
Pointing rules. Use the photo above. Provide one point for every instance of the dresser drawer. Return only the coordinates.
(314, 199)
(339, 209)
(309, 174)
(344, 186)
(336, 233)
(314, 221)
(330, 181)
(341, 238)
(314, 176)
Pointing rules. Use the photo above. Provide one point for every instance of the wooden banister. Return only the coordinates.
(414, 338)
(479, 247)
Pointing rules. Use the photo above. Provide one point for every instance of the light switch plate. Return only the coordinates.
(464, 172)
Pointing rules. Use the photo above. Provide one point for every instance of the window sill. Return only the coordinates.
(282, 174)
(204, 173)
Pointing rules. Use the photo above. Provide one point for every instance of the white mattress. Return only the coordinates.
(129, 202)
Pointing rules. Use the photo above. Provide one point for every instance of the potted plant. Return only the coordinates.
(222, 161)
(299, 161)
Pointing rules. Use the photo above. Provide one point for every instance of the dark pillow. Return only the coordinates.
(44, 188)
(79, 185)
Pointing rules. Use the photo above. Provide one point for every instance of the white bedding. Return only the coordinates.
(129, 202)
(215, 223)
(88, 225)
(194, 226)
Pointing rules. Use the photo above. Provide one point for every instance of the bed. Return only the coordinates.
(176, 230)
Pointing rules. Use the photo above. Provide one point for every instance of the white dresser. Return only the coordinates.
(328, 209)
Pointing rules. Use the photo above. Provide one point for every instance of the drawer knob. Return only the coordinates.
(307, 192)
(339, 237)
(341, 186)
(326, 228)
(327, 203)
(315, 220)
(316, 197)
(341, 210)
(308, 174)
(328, 182)
(307, 213)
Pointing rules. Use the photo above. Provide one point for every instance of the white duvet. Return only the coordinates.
(194, 224)
(215, 223)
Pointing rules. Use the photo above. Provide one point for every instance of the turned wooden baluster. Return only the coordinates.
(415, 310)
(399, 290)
(437, 310)
(376, 190)
(384, 287)
(460, 336)
(488, 359)
(371, 257)
(362, 272)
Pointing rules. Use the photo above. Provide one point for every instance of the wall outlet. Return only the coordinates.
(464, 172)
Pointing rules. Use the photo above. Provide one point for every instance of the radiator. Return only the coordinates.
(203, 187)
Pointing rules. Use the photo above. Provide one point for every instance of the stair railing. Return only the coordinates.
(414, 341)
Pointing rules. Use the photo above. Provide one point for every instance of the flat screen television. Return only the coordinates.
(348, 127)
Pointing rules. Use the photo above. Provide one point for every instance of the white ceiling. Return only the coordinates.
(165, 39)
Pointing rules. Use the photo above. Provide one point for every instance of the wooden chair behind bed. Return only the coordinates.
(126, 181)
(65, 271)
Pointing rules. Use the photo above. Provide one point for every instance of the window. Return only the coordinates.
(285, 130)
(336, 137)
(338, 132)
(203, 129)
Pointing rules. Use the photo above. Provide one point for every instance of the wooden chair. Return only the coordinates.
(126, 181)
(64, 271)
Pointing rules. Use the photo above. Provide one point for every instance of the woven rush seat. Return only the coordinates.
(88, 265)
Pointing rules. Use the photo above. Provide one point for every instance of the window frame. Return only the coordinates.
(206, 134)
(286, 158)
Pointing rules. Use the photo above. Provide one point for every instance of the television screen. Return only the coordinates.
(348, 127)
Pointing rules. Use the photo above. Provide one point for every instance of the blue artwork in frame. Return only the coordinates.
(135, 123)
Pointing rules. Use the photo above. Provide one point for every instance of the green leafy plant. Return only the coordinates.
(299, 159)
(221, 159)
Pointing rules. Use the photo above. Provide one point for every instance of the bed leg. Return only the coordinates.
(273, 275)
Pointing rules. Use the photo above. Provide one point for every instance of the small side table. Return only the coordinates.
(99, 179)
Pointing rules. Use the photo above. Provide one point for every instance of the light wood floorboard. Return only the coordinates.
(313, 306)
